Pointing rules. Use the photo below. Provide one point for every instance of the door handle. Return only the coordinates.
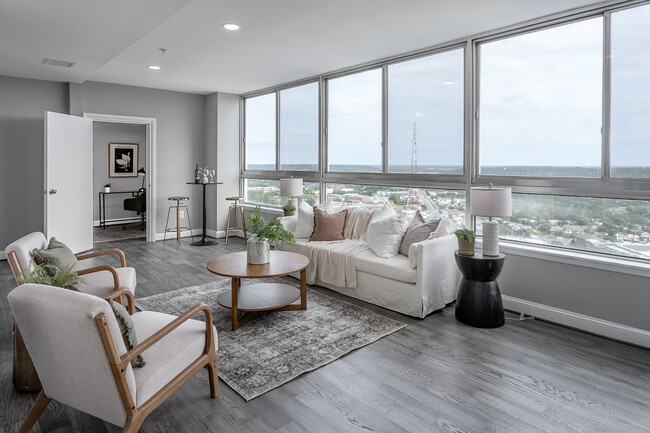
(52, 191)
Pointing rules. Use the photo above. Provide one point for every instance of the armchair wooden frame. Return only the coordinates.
(135, 415)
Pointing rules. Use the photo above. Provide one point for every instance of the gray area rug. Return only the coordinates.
(276, 347)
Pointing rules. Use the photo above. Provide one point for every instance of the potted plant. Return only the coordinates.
(289, 209)
(265, 233)
(50, 275)
(107, 187)
(466, 240)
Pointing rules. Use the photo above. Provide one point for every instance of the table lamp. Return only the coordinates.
(490, 201)
(291, 188)
(142, 173)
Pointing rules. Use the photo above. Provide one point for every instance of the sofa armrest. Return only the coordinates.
(289, 222)
(437, 274)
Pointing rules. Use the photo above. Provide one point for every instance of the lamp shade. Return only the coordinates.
(291, 187)
(491, 201)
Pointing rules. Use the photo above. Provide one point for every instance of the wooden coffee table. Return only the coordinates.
(253, 298)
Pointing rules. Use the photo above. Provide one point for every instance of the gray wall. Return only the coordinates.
(180, 135)
(103, 134)
(228, 152)
(22, 104)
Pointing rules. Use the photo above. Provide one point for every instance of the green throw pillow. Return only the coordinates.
(58, 255)
(127, 329)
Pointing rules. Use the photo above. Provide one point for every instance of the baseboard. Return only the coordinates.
(117, 221)
(195, 232)
(605, 328)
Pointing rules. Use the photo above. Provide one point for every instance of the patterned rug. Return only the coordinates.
(276, 347)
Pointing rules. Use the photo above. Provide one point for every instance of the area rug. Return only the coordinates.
(276, 347)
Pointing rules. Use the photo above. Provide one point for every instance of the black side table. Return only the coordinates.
(479, 298)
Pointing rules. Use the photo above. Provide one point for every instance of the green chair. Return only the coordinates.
(137, 204)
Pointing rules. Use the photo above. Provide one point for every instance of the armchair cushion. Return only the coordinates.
(127, 330)
(101, 283)
(56, 254)
(169, 356)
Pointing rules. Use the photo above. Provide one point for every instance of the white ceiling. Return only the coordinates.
(279, 41)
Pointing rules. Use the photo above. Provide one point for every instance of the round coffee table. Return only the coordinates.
(253, 298)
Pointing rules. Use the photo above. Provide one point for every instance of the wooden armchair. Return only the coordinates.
(75, 342)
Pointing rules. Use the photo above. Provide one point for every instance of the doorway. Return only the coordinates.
(126, 131)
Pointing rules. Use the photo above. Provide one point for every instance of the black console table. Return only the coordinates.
(102, 204)
(204, 241)
(479, 298)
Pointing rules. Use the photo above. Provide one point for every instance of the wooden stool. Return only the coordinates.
(178, 228)
(235, 206)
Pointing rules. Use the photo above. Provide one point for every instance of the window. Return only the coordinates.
(611, 226)
(260, 132)
(267, 192)
(541, 102)
(630, 100)
(425, 114)
(434, 203)
(299, 128)
(354, 120)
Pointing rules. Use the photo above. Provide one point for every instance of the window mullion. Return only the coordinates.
(277, 130)
(607, 97)
(384, 120)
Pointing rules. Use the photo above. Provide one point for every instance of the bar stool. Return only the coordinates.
(178, 228)
(235, 206)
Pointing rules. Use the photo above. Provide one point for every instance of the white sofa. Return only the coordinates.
(393, 283)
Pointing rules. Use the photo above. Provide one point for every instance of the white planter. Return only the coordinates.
(258, 251)
(107, 189)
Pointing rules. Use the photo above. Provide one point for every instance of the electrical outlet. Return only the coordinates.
(182, 214)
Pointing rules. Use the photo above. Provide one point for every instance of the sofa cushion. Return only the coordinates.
(396, 268)
(305, 221)
(385, 235)
(418, 231)
(328, 227)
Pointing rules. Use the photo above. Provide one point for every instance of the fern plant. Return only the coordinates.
(50, 275)
(271, 231)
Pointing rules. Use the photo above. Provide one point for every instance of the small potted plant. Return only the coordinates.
(265, 233)
(107, 187)
(466, 238)
(50, 275)
(289, 209)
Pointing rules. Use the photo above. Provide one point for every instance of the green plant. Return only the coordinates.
(288, 208)
(50, 275)
(465, 234)
(270, 231)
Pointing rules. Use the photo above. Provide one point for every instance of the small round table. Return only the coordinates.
(479, 299)
(253, 298)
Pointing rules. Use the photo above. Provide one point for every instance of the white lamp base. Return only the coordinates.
(490, 238)
(293, 202)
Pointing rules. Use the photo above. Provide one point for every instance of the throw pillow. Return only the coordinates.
(385, 235)
(444, 229)
(305, 222)
(127, 329)
(419, 230)
(56, 254)
(328, 227)
(385, 211)
(356, 224)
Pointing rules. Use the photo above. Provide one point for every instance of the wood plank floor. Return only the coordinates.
(435, 375)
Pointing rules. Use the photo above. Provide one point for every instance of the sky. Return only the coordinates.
(540, 104)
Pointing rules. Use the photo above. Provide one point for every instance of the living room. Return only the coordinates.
(561, 269)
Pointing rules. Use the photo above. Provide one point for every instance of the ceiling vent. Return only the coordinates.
(62, 63)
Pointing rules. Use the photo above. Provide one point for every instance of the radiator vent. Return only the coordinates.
(54, 62)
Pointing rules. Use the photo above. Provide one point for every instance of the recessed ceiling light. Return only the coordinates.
(230, 26)
(54, 62)
(154, 67)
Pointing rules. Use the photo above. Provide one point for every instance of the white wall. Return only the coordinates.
(227, 153)
(103, 134)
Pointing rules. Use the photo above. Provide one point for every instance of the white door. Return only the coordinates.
(68, 180)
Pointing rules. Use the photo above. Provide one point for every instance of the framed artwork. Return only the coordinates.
(122, 159)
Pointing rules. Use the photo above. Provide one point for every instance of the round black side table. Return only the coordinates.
(479, 299)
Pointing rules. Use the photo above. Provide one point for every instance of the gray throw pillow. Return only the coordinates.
(418, 231)
(58, 255)
(127, 329)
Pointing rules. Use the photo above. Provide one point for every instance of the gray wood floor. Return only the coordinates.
(436, 375)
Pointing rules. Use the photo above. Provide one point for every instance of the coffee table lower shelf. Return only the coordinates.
(261, 297)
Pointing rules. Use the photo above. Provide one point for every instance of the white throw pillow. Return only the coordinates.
(385, 211)
(385, 235)
(305, 223)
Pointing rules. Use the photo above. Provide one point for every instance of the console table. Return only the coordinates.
(102, 204)
(204, 241)
(479, 299)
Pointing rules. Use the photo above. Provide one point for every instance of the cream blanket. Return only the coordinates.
(334, 262)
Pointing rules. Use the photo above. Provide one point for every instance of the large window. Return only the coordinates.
(354, 122)
(612, 226)
(432, 203)
(267, 192)
(299, 128)
(425, 114)
(541, 102)
(630, 113)
(260, 133)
